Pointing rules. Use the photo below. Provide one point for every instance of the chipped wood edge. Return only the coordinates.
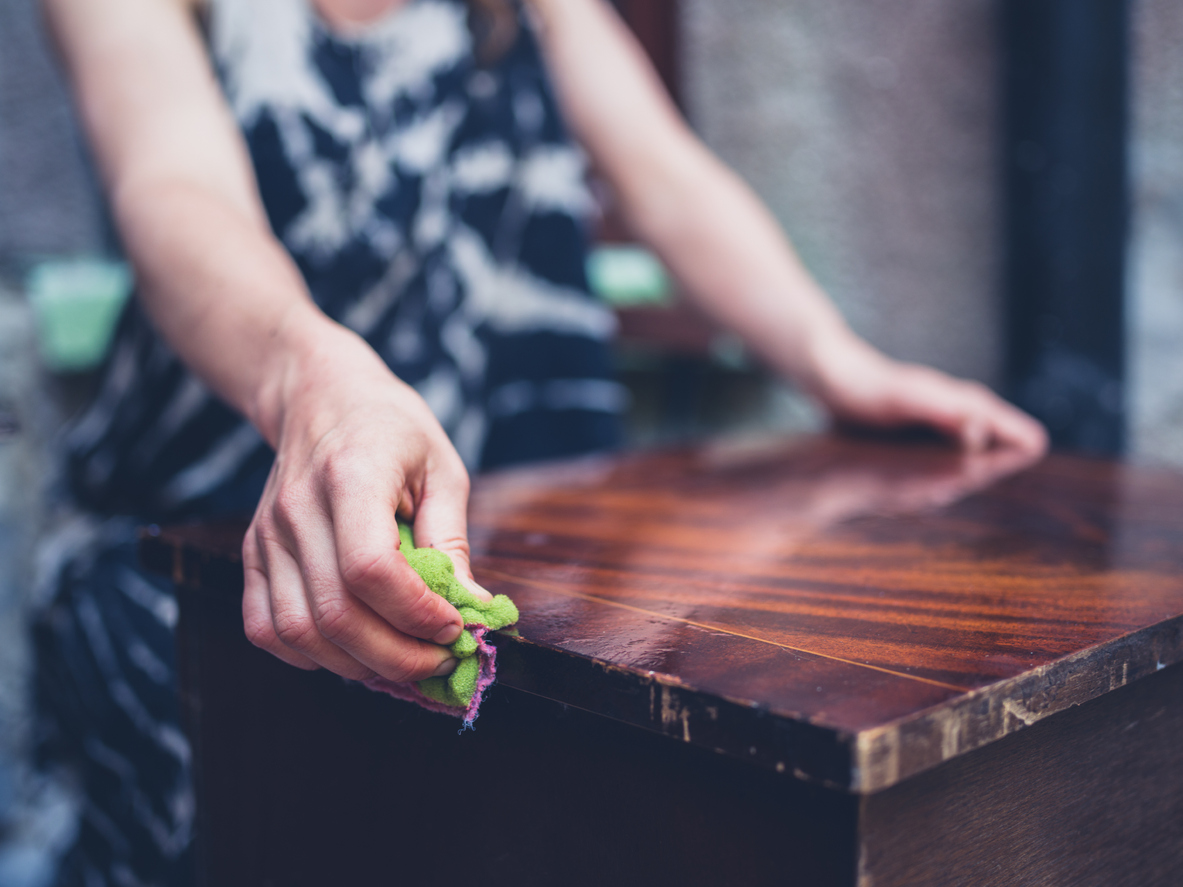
(664, 704)
(889, 754)
(876, 758)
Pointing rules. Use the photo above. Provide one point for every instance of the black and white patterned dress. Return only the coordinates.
(434, 206)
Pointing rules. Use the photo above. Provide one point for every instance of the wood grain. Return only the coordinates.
(1092, 797)
(854, 612)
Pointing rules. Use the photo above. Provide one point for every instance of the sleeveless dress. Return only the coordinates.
(435, 206)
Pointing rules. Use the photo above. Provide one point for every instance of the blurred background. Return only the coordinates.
(994, 187)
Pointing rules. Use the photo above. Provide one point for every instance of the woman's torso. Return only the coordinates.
(435, 206)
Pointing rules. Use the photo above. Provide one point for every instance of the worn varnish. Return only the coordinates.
(851, 612)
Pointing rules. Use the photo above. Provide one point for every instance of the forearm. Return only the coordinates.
(223, 293)
(717, 239)
(733, 261)
(211, 274)
(728, 251)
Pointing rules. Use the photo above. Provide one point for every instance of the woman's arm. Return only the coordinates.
(324, 582)
(727, 250)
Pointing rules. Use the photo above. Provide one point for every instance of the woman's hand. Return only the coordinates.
(325, 583)
(862, 386)
(727, 250)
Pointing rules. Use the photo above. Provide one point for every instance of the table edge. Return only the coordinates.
(858, 761)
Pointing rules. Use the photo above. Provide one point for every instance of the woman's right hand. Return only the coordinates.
(325, 583)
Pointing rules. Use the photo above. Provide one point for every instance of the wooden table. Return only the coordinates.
(810, 662)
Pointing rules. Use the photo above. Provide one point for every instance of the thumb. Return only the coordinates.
(441, 522)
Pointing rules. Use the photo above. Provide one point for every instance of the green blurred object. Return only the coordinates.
(76, 303)
(627, 275)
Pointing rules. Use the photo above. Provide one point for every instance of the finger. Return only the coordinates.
(365, 538)
(367, 638)
(346, 621)
(441, 522)
(292, 617)
(256, 609)
(1013, 427)
(926, 397)
(991, 420)
(985, 468)
(970, 413)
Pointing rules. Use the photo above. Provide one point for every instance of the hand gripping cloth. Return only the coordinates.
(460, 692)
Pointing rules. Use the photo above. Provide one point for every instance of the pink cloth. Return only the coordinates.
(409, 691)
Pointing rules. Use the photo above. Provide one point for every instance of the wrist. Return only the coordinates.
(831, 350)
(295, 353)
(807, 350)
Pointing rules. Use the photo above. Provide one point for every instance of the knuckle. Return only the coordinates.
(260, 632)
(289, 506)
(460, 479)
(266, 536)
(342, 474)
(367, 568)
(350, 473)
(250, 546)
(458, 548)
(294, 631)
(424, 618)
(404, 665)
(357, 672)
(459, 486)
(336, 621)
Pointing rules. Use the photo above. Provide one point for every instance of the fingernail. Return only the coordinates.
(446, 667)
(448, 634)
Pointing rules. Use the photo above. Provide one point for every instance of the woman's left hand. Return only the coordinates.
(860, 385)
(727, 250)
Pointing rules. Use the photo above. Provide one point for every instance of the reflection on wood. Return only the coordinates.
(853, 612)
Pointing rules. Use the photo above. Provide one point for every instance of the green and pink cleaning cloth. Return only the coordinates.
(459, 693)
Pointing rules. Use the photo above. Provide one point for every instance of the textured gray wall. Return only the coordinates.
(869, 127)
(47, 204)
(1156, 254)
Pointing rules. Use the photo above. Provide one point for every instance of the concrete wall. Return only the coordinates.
(869, 127)
(1156, 253)
(47, 206)
(47, 203)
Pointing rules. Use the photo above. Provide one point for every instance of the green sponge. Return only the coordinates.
(436, 569)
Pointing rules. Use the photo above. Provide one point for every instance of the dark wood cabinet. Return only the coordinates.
(814, 662)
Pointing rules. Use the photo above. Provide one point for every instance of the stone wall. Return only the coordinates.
(869, 128)
(47, 201)
(1156, 250)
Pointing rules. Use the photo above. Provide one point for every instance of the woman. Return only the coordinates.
(361, 240)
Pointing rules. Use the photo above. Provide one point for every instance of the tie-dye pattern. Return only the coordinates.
(436, 207)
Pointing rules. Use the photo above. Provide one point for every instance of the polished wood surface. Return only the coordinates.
(851, 612)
